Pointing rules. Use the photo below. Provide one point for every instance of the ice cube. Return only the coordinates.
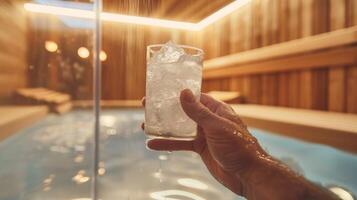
(169, 71)
(170, 52)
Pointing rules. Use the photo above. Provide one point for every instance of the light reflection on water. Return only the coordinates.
(341, 193)
(53, 159)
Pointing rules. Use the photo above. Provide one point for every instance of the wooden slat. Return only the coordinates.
(283, 20)
(351, 89)
(321, 16)
(307, 18)
(236, 84)
(319, 89)
(274, 22)
(225, 84)
(313, 43)
(336, 85)
(270, 89)
(305, 93)
(265, 22)
(283, 89)
(246, 29)
(236, 40)
(336, 57)
(252, 89)
(351, 12)
(294, 19)
(293, 89)
(337, 89)
(256, 25)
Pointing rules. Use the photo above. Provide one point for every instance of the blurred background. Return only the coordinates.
(289, 68)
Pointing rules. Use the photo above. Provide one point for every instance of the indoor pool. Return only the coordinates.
(52, 160)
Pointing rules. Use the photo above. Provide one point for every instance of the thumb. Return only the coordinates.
(200, 113)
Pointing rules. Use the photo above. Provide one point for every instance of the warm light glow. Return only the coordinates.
(51, 46)
(148, 21)
(86, 14)
(343, 194)
(164, 195)
(108, 120)
(192, 183)
(226, 10)
(56, 10)
(83, 52)
(103, 56)
(80, 177)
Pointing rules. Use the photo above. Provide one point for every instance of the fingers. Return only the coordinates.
(210, 102)
(199, 113)
(221, 108)
(170, 145)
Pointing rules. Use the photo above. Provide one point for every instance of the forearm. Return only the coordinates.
(269, 179)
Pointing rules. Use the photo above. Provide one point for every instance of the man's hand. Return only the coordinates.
(234, 157)
(223, 142)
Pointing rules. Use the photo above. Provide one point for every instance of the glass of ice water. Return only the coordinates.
(171, 68)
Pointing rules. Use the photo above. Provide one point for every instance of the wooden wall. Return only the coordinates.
(260, 23)
(13, 63)
(62, 70)
(263, 23)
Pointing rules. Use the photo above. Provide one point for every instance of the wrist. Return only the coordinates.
(256, 169)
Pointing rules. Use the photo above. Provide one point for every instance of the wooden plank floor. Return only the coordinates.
(335, 129)
(14, 118)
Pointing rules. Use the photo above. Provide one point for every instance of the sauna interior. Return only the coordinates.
(73, 73)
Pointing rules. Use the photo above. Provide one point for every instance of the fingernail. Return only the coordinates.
(147, 145)
(188, 96)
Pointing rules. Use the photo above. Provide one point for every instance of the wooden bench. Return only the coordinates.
(14, 118)
(338, 130)
(317, 72)
(227, 96)
(310, 52)
(58, 102)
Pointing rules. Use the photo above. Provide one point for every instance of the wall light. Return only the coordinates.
(87, 14)
(51, 46)
(83, 52)
(103, 56)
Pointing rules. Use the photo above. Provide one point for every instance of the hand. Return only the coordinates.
(223, 142)
(234, 157)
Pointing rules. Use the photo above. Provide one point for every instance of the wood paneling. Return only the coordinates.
(335, 129)
(269, 47)
(319, 59)
(302, 73)
(13, 60)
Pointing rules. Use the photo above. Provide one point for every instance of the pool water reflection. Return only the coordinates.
(52, 160)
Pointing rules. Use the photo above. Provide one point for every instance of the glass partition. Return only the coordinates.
(46, 95)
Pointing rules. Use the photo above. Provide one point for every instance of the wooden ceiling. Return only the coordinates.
(180, 10)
